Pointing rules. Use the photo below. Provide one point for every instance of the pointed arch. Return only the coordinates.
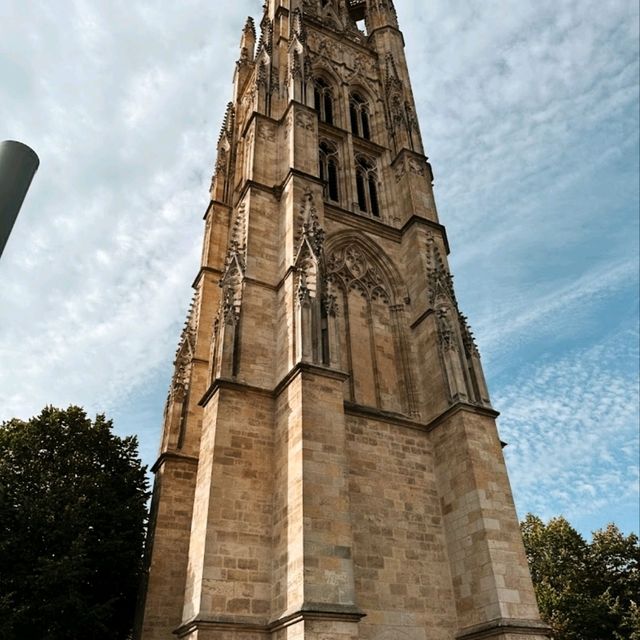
(324, 99)
(329, 164)
(321, 69)
(372, 326)
(361, 112)
(376, 255)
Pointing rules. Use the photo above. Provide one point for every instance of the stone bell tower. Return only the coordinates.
(330, 467)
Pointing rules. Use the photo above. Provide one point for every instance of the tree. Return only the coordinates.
(585, 591)
(72, 520)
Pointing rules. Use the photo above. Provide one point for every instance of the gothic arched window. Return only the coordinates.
(323, 100)
(367, 186)
(329, 170)
(360, 119)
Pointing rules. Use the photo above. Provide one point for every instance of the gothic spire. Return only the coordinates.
(380, 13)
(248, 40)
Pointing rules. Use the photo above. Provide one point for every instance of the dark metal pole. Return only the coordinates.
(18, 164)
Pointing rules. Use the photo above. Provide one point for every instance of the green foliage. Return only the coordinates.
(72, 519)
(585, 591)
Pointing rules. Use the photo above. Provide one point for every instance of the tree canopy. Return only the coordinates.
(72, 520)
(585, 591)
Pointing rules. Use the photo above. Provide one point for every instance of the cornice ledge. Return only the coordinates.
(386, 27)
(365, 411)
(221, 623)
(308, 367)
(297, 173)
(173, 455)
(502, 626)
(415, 219)
(360, 222)
(405, 151)
(202, 271)
(308, 611)
(233, 385)
(457, 408)
(318, 611)
(372, 146)
(213, 204)
(421, 318)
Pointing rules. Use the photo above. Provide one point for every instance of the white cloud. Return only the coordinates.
(572, 429)
(122, 103)
(527, 110)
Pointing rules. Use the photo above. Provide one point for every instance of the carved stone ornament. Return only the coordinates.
(439, 280)
(305, 121)
(468, 339)
(310, 7)
(307, 279)
(446, 332)
(235, 265)
(309, 231)
(351, 268)
(232, 298)
(186, 348)
(275, 81)
(267, 132)
(416, 167)
(454, 333)
(221, 162)
(330, 305)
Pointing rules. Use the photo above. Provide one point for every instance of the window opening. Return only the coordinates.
(366, 131)
(323, 100)
(362, 198)
(329, 170)
(360, 120)
(367, 186)
(373, 196)
(355, 129)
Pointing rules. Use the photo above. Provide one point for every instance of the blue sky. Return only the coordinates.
(529, 112)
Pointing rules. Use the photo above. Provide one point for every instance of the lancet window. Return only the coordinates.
(329, 170)
(360, 119)
(367, 185)
(323, 100)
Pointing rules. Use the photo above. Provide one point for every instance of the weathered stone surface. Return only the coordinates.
(330, 467)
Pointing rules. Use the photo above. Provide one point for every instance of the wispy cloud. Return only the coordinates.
(572, 429)
(529, 112)
(123, 104)
(549, 308)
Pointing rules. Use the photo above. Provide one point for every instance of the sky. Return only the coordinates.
(529, 113)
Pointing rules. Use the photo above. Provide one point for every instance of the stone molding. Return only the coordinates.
(501, 626)
(301, 367)
(415, 219)
(350, 408)
(421, 318)
(457, 408)
(315, 611)
(175, 457)
(364, 411)
(307, 367)
(233, 385)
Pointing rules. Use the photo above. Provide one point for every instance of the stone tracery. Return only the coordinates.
(350, 267)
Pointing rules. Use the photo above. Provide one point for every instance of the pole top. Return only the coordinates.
(15, 146)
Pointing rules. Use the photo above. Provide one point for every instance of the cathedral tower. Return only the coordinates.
(330, 467)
